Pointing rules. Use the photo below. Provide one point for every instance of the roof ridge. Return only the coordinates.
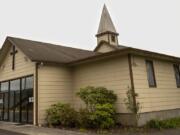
(47, 43)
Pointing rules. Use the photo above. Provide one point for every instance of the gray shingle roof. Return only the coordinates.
(45, 52)
(106, 23)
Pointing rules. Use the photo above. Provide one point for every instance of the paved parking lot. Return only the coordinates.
(5, 132)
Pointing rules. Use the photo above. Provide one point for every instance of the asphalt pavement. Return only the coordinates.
(5, 132)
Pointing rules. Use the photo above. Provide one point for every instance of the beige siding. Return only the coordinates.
(102, 38)
(23, 67)
(55, 84)
(166, 96)
(112, 74)
(105, 48)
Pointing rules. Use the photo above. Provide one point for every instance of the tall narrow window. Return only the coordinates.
(177, 74)
(150, 73)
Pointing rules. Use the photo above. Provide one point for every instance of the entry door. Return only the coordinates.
(27, 106)
(14, 105)
(27, 100)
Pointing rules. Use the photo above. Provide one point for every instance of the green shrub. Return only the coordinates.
(164, 124)
(84, 118)
(62, 114)
(99, 111)
(96, 95)
(104, 116)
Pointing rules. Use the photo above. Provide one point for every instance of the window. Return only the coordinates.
(16, 100)
(150, 73)
(5, 91)
(27, 83)
(177, 74)
(15, 85)
(113, 38)
(4, 86)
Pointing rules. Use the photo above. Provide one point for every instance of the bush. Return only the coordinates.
(62, 114)
(103, 117)
(96, 95)
(164, 124)
(84, 118)
(100, 111)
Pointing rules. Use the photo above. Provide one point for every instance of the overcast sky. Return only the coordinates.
(146, 24)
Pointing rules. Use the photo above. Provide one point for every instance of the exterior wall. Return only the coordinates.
(54, 85)
(165, 96)
(104, 48)
(23, 67)
(110, 73)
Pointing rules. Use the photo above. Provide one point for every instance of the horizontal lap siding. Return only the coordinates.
(55, 85)
(166, 96)
(22, 67)
(105, 48)
(112, 74)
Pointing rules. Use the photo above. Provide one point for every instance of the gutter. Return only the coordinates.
(126, 51)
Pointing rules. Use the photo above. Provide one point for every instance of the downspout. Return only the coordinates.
(36, 100)
(132, 79)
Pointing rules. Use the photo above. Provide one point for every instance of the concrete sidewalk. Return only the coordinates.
(32, 130)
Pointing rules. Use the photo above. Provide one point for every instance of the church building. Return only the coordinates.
(35, 75)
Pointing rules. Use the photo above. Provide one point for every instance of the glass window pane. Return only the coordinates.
(14, 100)
(4, 86)
(23, 83)
(177, 75)
(150, 73)
(29, 83)
(15, 85)
(6, 106)
(17, 106)
(1, 106)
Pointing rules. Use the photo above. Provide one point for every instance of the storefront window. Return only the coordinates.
(5, 91)
(14, 105)
(16, 100)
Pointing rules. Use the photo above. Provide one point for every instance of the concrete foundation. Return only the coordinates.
(130, 119)
(127, 119)
(160, 115)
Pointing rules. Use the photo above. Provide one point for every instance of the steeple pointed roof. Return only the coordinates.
(106, 24)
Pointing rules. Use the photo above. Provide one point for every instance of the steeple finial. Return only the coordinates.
(106, 24)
